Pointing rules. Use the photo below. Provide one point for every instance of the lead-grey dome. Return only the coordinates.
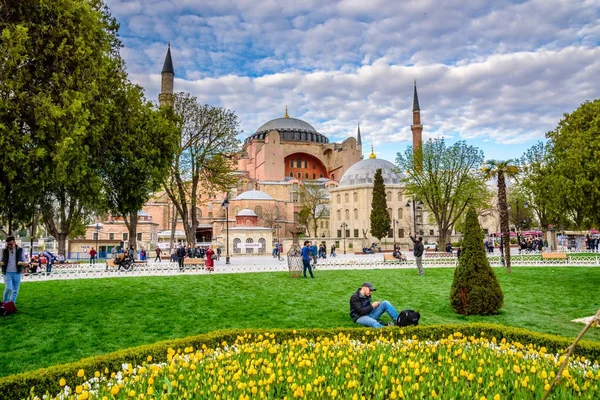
(246, 212)
(362, 173)
(253, 195)
(290, 130)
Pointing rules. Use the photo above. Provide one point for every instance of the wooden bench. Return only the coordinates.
(390, 257)
(554, 256)
(193, 261)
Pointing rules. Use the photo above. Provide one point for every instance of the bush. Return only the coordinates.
(47, 379)
(475, 289)
(471, 339)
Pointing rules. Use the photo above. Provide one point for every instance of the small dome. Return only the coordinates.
(362, 173)
(246, 212)
(253, 195)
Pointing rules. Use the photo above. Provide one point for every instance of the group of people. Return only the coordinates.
(277, 251)
(206, 253)
(531, 245)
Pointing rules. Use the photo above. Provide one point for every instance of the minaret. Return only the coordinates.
(417, 131)
(165, 98)
(359, 142)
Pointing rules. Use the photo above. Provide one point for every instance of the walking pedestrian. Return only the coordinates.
(93, 256)
(13, 261)
(158, 253)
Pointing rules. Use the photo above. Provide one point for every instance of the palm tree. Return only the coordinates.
(500, 170)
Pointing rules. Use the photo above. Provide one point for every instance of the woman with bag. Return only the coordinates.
(210, 259)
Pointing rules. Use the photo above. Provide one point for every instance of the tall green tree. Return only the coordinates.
(447, 181)
(501, 170)
(55, 89)
(137, 133)
(575, 151)
(380, 219)
(202, 165)
(539, 186)
(475, 288)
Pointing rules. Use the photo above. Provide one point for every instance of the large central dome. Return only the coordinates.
(290, 130)
(362, 173)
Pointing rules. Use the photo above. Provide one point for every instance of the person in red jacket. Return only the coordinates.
(93, 256)
(210, 262)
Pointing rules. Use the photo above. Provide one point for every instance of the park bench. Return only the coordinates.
(554, 256)
(390, 257)
(193, 261)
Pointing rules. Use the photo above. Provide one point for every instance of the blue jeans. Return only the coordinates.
(371, 319)
(12, 281)
(306, 265)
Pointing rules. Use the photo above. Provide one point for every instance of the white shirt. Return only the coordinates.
(12, 260)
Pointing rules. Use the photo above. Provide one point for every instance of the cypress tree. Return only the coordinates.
(475, 289)
(380, 219)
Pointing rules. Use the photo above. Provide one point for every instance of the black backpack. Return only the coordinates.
(408, 317)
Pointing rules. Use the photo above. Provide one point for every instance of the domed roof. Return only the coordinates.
(362, 173)
(246, 212)
(253, 195)
(290, 130)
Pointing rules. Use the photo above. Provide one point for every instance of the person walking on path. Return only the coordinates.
(210, 261)
(365, 313)
(93, 256)
(306, 250)
(279, 252)
(418, 252)
(180, 254)
(332, 251)
(158, 253)
(13, 260)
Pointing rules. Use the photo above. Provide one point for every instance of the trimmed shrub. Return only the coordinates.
(47, 379)
(475, 289)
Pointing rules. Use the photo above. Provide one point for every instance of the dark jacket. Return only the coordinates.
(18, 257)
(359, 305)
(181, 252)
(419, 248)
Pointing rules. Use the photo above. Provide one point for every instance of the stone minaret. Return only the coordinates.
(165, 98)
(417, 131)
(359, 142)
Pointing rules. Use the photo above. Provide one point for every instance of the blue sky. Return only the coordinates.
(498, 74)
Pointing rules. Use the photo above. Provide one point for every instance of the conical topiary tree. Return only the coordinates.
(380, 219)
(475, 290)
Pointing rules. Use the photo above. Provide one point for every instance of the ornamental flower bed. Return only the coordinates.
(376, 366)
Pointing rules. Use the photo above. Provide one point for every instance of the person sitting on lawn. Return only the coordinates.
(365, 313)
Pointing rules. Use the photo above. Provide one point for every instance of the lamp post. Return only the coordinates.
(225, 205)
(98, 227)
(344, 226)
(394, 222)
(519, 222)
(414, 209)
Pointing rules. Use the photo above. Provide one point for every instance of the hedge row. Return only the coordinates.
(47, 379)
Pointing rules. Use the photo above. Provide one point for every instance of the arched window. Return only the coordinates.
(339, 214)
(263, 245)
(346, 197)
(355, 195)
(400, 197)
(355, 213)
(347, 214)
(258, 211)
(291, 174)
(390, 213)
(299, 175)
(388, 197)
(306, 176)
(314, 176)
(249, 250)
(248, 221)
(321, 176)
(236, 246)
(400, 213)
(237, 210)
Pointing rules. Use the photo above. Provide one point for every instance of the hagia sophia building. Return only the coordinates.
(280, 157)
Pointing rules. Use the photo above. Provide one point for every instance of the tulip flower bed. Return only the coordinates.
(378, 365)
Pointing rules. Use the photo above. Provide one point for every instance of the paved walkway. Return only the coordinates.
(266, 263)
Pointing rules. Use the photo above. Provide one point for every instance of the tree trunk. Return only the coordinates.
(443, 237)
(173, 227)
(62, 243)
(504, 219)
(132, 229)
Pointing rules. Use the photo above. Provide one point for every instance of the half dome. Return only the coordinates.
(246, 212)
(363, 172)
(253, 195)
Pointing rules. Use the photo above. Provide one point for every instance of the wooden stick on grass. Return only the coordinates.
(570, 350)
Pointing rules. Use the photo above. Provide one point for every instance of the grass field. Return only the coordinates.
(64, 321)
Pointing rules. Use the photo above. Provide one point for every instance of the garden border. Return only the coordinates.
(47, 379)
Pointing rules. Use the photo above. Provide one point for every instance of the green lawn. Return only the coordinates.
(63, 321)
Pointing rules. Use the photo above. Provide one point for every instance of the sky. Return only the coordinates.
(497, 74)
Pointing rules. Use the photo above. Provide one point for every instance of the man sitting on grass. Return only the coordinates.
(364, 313)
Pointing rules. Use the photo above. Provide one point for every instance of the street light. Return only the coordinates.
(395, 221)
(225, 205)
(98, 227)
(344, 226)
(415, 206)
